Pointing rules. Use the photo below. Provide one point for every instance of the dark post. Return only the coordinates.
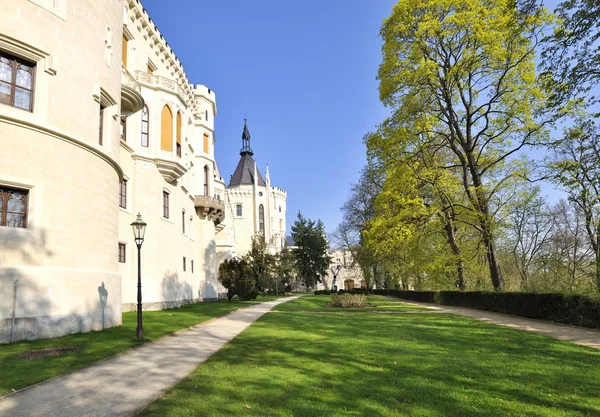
(139, 230)
(140, 328)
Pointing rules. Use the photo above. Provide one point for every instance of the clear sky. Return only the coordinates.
(304, 72)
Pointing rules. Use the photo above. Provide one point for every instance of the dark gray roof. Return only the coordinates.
(244, 173)
(289, 241)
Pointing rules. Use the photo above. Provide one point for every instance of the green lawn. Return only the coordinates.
(317, 303)
(18, 373)
(298, 364)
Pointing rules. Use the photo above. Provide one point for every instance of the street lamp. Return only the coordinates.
(139, 230)
(335, 271)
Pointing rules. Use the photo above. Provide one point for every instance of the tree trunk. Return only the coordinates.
(495, 272)
(451, 236)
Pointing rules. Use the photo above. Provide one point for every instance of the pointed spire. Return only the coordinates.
(246, 140)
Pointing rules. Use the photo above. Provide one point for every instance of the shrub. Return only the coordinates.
(236, 276)
(348, 300)
(573, 309)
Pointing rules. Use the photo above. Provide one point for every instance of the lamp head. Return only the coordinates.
(139, 230)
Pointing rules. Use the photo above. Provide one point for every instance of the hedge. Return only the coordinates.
(573, 309)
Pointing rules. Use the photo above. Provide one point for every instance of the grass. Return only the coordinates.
(19, 373)
(316, 303)
(382, 365)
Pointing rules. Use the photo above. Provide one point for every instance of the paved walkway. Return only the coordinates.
(127, 383)
(577, 335)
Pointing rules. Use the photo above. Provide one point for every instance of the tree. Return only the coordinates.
(236, 275)
(529, 231)
(310, 255)
(572, 53)
(261, 263)
(460, 77)
(575, 167)
(284, 270)
(357, 211)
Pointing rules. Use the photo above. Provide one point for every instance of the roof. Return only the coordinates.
(244, 173)
(289, 241)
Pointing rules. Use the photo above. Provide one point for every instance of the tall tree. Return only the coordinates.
(460, 75)
(572, 53)
(310, 254)
(575, 167)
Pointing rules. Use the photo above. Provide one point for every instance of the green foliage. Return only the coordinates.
(573, 309)
(285, 271)
(571, 55)
(262, 263)
(460, 79)
(238, 277)
(310, 255)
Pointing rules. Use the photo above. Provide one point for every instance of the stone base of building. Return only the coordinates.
(46, 327)
(52, 302)
(163, 305)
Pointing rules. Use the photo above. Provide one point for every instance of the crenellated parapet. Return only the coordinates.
(279, 192)
(241, 192)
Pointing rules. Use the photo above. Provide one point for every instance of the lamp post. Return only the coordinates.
(335, 271)
(139, 229)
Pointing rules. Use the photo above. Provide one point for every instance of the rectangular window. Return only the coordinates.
(124, 129)
(150, 69)
(206, 143)
(13, 207)
(16, 82)
(238, 210)
(123, 194)
(192, 262)
(165, 204)
(280, 224)
(101, 127)
(124, 51)
(122, 253)
(184, 262)
(183, 221)
(145, 122)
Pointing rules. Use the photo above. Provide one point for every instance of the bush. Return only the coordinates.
(348, 300)
(236, 276)
(573, 309)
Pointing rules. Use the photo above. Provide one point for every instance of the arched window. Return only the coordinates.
(261, 219)
(179, 123)
(145, 126)
(206, 180)
(166, 129)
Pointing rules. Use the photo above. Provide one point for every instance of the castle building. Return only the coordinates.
(99, 122)
(254, 206)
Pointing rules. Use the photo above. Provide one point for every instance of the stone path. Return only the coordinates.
(126, 384)
(577, 335)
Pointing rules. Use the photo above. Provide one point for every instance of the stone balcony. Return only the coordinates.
(210, 207)
(162, 83)
(131, 94)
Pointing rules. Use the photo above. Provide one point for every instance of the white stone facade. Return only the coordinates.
(115, 128)
(349, 276)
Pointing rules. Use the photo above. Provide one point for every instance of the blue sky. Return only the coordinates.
(304, 72)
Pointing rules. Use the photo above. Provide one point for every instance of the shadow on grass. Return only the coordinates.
(19, 373)
(388, 365)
